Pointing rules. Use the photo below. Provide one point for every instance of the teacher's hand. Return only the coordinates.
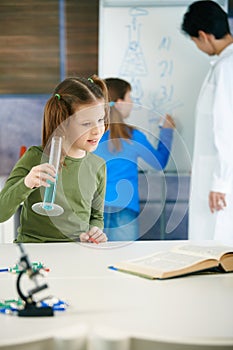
(217, 201)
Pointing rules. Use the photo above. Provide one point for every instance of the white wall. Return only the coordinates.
(7, 227)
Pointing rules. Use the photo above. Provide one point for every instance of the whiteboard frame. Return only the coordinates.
(152, 3)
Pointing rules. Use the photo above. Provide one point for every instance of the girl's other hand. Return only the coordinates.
(95, 235)
(169, 122)
(39, 175)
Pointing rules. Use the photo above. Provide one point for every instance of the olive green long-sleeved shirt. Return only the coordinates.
(80, 191)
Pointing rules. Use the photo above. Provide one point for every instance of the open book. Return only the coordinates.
(180, 260)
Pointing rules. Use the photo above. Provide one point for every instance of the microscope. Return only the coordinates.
(30, 306)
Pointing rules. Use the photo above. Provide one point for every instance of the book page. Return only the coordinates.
(165, 261)
(203, 251)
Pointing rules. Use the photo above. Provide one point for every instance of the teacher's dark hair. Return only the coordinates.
(208, 16)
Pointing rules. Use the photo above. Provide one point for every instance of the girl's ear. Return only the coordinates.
(118, 104)
(119, 100)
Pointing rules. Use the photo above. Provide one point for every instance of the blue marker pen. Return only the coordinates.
(6, 269)
(162, 121)
(112, 268)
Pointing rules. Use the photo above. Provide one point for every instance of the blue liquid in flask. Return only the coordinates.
(48, 207)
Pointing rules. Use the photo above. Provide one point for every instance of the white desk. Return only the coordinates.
(112, 310)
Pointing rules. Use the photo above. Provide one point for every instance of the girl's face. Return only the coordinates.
(85, 129)
(125, 106)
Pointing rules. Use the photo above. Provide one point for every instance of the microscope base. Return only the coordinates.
(32, 310)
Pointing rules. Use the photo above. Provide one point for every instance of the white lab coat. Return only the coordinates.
(213, 153)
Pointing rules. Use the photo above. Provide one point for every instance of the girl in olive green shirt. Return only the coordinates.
(77, 111)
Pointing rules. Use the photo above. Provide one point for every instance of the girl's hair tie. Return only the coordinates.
(111, 103)
(58, 96)
(91, 80)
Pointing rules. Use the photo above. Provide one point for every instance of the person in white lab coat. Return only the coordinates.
(211, 198)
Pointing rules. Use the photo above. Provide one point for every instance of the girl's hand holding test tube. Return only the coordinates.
(95, 235)
(39, 175)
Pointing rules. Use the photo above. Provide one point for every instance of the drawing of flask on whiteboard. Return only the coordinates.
(134, 64)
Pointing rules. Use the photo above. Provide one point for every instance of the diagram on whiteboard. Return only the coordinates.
(161, 99)
(134, 64)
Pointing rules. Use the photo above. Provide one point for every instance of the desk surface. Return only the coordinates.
(194, 310)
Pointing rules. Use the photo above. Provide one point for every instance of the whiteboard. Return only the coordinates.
(144, 45)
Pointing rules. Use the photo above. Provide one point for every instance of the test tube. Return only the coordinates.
(54, 159)
(48, 207)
